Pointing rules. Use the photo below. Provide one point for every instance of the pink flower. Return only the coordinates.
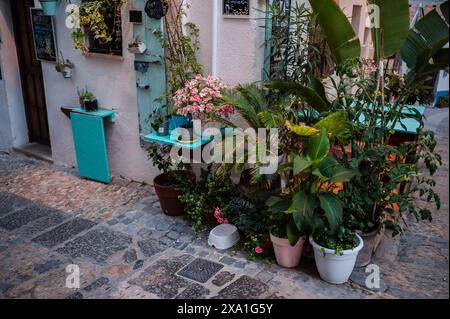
(217, 212)
(258, 250)
(225, 221)
(220, 220)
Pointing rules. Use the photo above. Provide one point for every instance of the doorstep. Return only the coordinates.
(37, 151)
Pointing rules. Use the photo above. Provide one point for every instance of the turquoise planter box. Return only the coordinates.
(90, 142)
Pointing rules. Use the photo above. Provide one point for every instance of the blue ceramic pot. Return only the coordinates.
(177, 121)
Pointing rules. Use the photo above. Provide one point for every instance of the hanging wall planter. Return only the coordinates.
(50, 7)
(137, 46)
(156, 9)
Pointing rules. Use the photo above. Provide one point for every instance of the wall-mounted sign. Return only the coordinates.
(44, 36)
(136, 16)
(236, 8)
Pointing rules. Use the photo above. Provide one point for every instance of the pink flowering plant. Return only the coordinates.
(201, 96)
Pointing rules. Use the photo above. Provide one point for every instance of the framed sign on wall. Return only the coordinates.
(43, 36)
(236, 8)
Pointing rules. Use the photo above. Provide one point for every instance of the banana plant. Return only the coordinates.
(424, 51)
(390, 26)
(310, 204)
(341, 37)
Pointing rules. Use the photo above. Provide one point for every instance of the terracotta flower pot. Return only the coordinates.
(168, 195)
(287, 256)
(371, 241)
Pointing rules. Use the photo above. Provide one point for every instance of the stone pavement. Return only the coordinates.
(125, 247)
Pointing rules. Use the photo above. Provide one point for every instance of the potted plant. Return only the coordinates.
(169, 183)
(87, 99)
(335, 254)
(442, 102)
(286, 240)
(309, 197)
(50, 7)
(197, 100)
(316, 206)
(64, 66)
(137, 46)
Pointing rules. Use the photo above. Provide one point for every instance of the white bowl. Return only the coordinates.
(223, 236)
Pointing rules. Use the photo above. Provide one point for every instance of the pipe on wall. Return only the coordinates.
(215, 36)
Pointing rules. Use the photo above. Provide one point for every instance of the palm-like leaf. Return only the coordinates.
(246, 109)
(423, 50)
(271, 119)
(309, 95)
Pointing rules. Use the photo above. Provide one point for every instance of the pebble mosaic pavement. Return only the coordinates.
(126, 248)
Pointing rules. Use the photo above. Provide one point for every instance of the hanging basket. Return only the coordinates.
(50, 7)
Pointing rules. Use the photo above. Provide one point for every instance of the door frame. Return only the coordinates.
(31, 76)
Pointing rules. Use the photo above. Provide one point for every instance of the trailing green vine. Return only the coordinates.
(93, 16)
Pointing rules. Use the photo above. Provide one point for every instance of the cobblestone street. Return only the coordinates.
(127, 248)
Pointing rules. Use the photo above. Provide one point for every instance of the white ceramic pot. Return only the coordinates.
(67, 72)
(335, 268)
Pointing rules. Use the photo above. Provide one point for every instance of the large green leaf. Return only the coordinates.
(300, 164)
(341, 37)
(309, 95)
(278, 204)
(333, 210)
(302, 130)
(337, 173)
(317, 85)
(292, 232)
(337, 125)
(327, 166)
(304, 209)
(444, 9)
(393, 28)
(319, 146)
(342, 174)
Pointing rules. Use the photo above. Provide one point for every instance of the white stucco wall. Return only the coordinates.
(113, 81)
(13, 128)
(240, 54)
(240, 42)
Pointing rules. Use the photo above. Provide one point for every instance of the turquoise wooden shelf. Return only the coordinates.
(89, 141)
(167, 140)
(411, 124)
(108, 115)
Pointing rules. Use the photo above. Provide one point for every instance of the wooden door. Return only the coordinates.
(30, 73)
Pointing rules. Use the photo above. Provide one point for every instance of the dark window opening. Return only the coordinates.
(114, 23)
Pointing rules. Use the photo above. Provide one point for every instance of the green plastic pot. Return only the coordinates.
(50, 7)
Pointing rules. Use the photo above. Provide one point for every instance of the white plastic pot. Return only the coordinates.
(335, 268)
(223, 236)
